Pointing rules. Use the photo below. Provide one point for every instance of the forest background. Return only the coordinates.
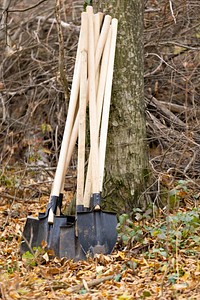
(33, 107)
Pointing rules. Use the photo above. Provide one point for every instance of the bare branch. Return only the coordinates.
(28, 8)
(62, 69)
(172, 12)
(62, 23)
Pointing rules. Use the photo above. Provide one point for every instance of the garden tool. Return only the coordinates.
(102, 40)
(100, 96)
(74, 249)
(69, 243)
(46, 228)
(103, 45)
(97, 229)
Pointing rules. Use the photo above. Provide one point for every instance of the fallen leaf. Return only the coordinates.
(46, 257)
(180, 286)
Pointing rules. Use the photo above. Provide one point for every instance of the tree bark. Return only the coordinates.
(126, 172)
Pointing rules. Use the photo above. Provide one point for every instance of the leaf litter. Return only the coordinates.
(160, 262)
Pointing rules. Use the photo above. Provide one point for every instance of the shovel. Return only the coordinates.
(69, 243)
(100, 44)
(68, 233)
(97, 229)
(46, 228)
(74, 249)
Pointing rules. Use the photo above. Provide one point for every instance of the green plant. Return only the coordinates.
(46, 128)
(128, 231)
(177, 193)
(184, 227)
(32, 259)
(12, 267)
(29, 259)
(6, 181)
(181, 229)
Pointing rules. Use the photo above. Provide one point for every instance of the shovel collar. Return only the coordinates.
(53, 204)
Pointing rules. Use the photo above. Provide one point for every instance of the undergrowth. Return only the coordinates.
(163, 234)
(166, 232)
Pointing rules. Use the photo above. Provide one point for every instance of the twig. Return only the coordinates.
(167, 112)
(151, 9)
(4, 20)
(61, 62)
(2, 294)
(3, 110)
(189, 47)
(175, 107)
(62, 23)
(162, 281)
(172, 12)
(191, 161)
(166, 63)
(180, 45)
(154, 71)
(77, 287)
(28, 8)
(4, 195)
(29, 242)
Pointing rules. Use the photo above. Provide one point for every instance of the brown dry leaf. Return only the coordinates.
(54, 271)
(46, 257)
(14, 295)
(180, 286)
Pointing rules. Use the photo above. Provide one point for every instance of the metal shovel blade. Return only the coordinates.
(38, 231)
(55, 232)
(97, 231)
(69, 244)
(30, 235)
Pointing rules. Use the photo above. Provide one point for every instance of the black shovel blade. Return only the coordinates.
(69, 244)
(55, 231)
(38, 231)
(30, 235)
(97, 231)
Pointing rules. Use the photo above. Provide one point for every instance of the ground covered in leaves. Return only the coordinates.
(157, 256)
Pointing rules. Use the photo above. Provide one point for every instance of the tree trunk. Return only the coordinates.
(126, 172)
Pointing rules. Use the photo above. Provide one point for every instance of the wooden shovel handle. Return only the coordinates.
(58, 180)
(100, 96)
(92, 103)
(98, 53)
(99, 49)
(70, 118)
(102, 38)
(97, 25)
(107, 99)
(82, 129)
